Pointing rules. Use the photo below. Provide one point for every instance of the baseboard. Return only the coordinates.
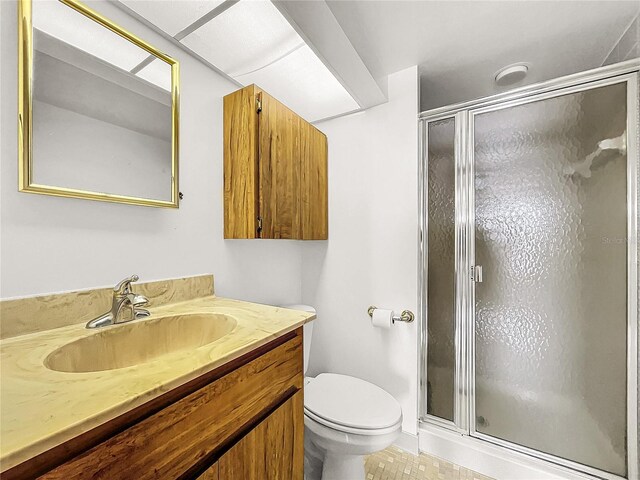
(408, 442)
(487, 459)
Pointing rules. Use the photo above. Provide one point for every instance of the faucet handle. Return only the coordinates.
(124, 287)
(137, 302)
(140, 301)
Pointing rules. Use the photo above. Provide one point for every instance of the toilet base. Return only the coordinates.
(313, 460)
(343, 467)
(332, 454)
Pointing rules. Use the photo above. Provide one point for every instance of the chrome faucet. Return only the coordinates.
(125, 305)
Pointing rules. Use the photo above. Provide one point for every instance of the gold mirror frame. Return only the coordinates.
(25, 111)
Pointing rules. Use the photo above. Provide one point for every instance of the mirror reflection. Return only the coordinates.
(102, 116)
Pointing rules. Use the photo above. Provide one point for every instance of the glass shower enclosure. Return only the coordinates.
(529, 273)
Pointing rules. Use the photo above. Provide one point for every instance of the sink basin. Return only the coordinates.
(138, 342)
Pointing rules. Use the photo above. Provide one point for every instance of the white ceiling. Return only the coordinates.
(172, 20)
(459, 45)
(251, 42)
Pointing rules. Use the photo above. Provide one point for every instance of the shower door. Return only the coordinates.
(529, 280)
(550, 191)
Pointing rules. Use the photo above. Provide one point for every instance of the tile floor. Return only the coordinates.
(396, 464)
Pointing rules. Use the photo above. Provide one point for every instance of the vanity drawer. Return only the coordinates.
(185, 438)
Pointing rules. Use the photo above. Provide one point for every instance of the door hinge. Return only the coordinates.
(258, 104)
(476, 273)
(259, 225)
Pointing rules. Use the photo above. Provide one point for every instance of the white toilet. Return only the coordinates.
(345, 418)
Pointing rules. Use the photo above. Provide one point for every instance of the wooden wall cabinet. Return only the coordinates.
(275, 170)
(242, 421)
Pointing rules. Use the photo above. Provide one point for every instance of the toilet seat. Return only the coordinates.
(354, 431)
(351, 405)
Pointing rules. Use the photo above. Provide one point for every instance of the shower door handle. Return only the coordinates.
(476, 273)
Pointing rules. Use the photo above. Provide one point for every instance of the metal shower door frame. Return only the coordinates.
(460, 409)
(464, 385)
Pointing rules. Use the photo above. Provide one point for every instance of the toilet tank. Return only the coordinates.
(308, 332)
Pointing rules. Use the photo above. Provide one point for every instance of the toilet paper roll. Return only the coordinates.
(382, 318)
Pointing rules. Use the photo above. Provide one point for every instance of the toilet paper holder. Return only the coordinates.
(406, 315)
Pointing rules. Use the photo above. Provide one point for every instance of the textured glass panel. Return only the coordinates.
(550, 196)
(441, 269)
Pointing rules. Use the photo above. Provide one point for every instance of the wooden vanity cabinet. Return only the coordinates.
(275, 170)
(244, 420)
(271, 451)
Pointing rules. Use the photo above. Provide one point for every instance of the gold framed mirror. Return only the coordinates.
(98, 108)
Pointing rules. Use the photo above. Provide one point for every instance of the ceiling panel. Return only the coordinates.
(247, 36)
(72, 27)
(157, 72)
(253, 43)
(172, 16)
(303, 83)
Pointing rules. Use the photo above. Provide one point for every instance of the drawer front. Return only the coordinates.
(187, 436)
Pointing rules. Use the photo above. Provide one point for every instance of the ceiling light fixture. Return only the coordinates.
(511, 74)
(252, 42)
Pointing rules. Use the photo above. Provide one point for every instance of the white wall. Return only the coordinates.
(50, 244)
(371, 255)
(74, 150)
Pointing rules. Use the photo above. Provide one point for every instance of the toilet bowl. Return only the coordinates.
(345, 419)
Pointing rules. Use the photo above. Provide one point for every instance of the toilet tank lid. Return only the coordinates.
(304, 308)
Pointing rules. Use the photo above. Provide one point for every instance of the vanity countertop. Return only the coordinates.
(42, 408)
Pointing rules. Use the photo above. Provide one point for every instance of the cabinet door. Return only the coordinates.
(313, 183)
(211, 473)
(274, 450)
(240, 164)
(279, 165)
